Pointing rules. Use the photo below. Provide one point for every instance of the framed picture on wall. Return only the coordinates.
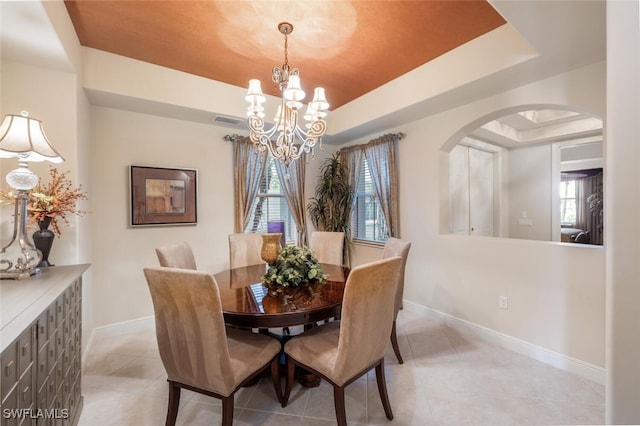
(163, 196)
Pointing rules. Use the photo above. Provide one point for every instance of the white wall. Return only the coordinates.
(529, 190)
(120, 139)
(555, 291)
(31, 89)
(622, 203)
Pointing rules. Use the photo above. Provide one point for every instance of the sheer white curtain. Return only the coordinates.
(248, 168)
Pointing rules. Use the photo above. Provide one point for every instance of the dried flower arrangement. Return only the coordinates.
(54, 200)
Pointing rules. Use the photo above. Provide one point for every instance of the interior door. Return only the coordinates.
(459, 190)
(480, 192)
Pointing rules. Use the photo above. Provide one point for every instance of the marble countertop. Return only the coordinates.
(22, 301)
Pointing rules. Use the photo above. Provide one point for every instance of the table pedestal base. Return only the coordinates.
(308, 380)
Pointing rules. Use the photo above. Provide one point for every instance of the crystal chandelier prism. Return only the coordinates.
(291, 140)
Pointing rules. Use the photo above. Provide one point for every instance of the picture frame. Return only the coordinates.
(163, 196)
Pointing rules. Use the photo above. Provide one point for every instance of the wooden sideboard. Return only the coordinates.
(40, 348)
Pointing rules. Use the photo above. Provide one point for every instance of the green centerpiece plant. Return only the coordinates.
(295, 267)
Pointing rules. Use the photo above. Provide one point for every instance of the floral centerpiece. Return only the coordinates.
(294, 267)
(52, 201)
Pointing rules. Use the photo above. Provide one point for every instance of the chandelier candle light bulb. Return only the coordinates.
(291, 141)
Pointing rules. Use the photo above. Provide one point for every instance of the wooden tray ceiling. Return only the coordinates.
(350, 48)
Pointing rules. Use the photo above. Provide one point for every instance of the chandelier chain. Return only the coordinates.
(286, 50)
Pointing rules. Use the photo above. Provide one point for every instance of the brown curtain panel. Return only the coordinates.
(292, 181)
(381, 157)
(590, 219)
(351, 158)
(249, 165)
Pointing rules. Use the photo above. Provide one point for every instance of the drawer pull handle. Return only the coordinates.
(25, 347)
(7, 369)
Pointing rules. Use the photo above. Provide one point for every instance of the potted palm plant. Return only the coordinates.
(330, 209)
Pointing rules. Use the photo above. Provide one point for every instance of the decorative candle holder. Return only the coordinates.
(270, 247)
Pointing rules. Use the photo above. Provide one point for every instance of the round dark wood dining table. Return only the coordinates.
(247, 303)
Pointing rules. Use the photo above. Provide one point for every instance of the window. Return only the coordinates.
(271, 204)
(367, 220)
(568, 205)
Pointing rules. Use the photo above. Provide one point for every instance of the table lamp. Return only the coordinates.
(23, 138)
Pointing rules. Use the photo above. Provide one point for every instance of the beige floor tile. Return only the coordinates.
(308, 421)
(408, 403)
(321, 405)
(264, 398)
(449, 377)
(199, 414)
(263, 418)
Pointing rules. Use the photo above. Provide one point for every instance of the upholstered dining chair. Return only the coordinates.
(244, 249)
(176, 255)
(397, 247)
(342, 351)
(327, 246)
(198, 352)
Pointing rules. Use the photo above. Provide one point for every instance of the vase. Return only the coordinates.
(270, 247)
(274, 226)
(43, 240)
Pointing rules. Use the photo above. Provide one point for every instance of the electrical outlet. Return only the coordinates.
(503, 302)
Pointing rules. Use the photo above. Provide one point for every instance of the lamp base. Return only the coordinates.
(15, 275)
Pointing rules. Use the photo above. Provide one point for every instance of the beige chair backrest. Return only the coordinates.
(367, 316)
(190, 328)
(327, 246)
(396, 247)
(176, 255)
(244, 250)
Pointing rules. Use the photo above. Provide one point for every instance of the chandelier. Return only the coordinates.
(291, 140)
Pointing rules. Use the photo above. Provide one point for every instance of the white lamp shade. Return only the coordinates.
(294, 91)
(254, 93)
(319, 102)
(310, 114)
(24, 137)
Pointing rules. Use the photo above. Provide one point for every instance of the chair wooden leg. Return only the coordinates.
(291, 367)
(174, 402)
(338, 400)
(382, 390)
(275, 376)
(394, 343)
(227, 410)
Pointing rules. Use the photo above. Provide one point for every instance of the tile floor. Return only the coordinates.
(448, 378)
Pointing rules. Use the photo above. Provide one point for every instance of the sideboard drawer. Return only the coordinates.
(9, 364)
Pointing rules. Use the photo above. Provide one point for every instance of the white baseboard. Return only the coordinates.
(547, 356)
